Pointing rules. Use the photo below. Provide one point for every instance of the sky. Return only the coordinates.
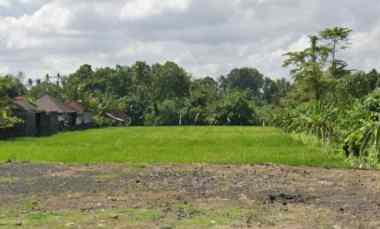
(206, 37)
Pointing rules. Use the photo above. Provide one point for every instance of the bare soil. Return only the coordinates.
(187, 196)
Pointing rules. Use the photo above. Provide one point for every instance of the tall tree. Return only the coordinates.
(336, 38)
(308, 68)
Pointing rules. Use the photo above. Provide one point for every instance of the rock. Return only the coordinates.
(286, 198)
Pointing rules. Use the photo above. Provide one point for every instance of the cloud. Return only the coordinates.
(5, 3)
(140, 9)
(206, 37)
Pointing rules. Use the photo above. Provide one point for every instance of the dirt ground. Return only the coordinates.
(187, 196)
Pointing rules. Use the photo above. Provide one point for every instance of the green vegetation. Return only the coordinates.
(140, 145)
(9, 87)
(327, 100)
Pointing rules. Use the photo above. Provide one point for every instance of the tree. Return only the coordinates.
(271, 92)
(6, 118)
(308, 69)
(30, 83)
(170, 112)
(245, 79)
(77, 86)
(46, 88)
(170, 82)
(203, 96)
(364, 139)
(336, 38)
(373, 79)
(11, 87)
(236, 109)
(354, 86)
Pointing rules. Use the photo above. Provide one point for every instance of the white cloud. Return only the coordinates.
(138, 9)
(300, 44)
(50, 17)
(5, 3)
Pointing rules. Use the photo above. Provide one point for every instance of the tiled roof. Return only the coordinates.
(75, 106)
(49, 104)
(22, 103)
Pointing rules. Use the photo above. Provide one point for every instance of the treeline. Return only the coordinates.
(160, 94)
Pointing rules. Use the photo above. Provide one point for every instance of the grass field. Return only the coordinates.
(166, 145)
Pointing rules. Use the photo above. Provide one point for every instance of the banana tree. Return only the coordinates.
(366, 136)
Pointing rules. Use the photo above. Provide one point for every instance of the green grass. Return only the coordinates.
(166, 145)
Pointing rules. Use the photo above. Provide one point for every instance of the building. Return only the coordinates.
(34, 122)
(84, 118)
(66, 116)
(46, 117)
(30, 116)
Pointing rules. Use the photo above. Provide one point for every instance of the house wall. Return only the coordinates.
(30, 125)
(87, 118)
(48, 124)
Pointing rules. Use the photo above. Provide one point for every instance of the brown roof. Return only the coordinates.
(75, 106)
(22, 103)
(49, 104)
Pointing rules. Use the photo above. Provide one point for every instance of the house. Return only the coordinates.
(34, 121)
(46, 117)
(29, 114)
(66, 116)
(84, 118)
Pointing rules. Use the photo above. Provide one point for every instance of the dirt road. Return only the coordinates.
(184, 196)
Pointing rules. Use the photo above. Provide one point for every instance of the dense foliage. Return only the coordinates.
(9, 87)
(338, 105)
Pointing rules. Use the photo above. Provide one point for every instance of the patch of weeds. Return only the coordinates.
(8, 180)
(30, 204)
(186, 211)
(8, 218)
(104, 218)
(132, 216)
(41, 218)
(209, 218)
(27, 219)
